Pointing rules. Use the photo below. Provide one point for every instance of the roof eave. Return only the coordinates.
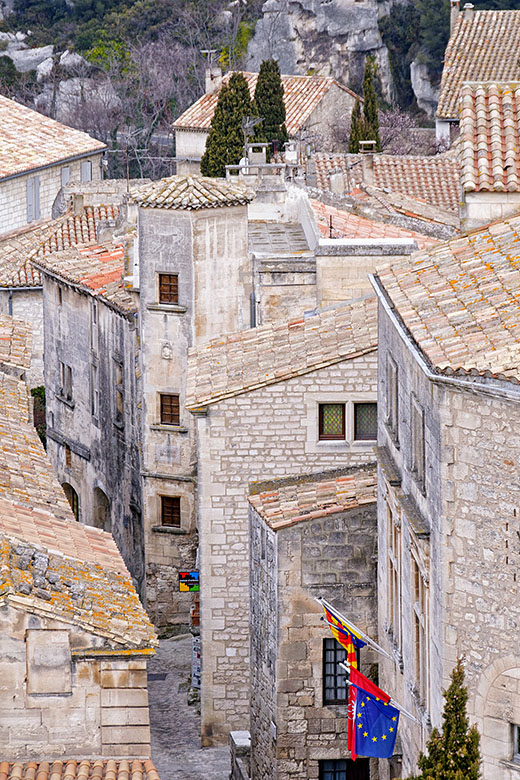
(60, 161)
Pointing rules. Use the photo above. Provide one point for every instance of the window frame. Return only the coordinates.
(330, 644)
(420, 592)
(171, 285)
(163, 398)
(356, 405)
(32, 194)
(66, 382)
(331, 436)
(417, 444)
(86, 167)
(119, 392)
(395, 557)
(164, 499)
(392, 399)
(94, 388)
(515, 737)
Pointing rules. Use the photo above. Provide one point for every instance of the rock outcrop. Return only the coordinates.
(329, 38)
(426, 94)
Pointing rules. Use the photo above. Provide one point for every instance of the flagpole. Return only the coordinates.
(354, 628)
(390, 701)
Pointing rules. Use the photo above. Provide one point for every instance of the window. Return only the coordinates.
(170, 409)
(65, 381)
(345, 769)
(68, 456)
(392, 399)
(420, 628)
(334, 677)
(119, 392)
(394, 574)
(168, 288)
(516, 742)
(331, 421)
(171, 511)
(59, 295)
(417, 453)
(94, 314)
(72, 498)
(65, 175)
(86, 171)
(94, 389)
(33, 198)
(365, 422)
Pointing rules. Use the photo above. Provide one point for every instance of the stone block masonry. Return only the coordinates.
(263, 434)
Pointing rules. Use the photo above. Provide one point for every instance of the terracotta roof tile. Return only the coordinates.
(18, 249)
(191, 193)
(30, 140)
(489, 137)
(434, 180)
(302, 94)
(244, 361)
(461, 300)
(15, 342)
(96, 268)
(483, 47)
(311, 497)
(345, 224)
(79, 769)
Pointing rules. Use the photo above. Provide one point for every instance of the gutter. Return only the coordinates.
(64, 161)
(504, 393)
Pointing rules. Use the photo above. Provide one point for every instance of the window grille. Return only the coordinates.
(331, 421)
(170, 413)
(168, 288)
(171, 511)
(365, 422)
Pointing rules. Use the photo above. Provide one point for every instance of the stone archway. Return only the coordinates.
(101, 510)
(72, 498)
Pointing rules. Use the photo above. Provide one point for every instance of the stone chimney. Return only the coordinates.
(77, 204)
(455, 10)
(213, 79)
(468, 11)
(368, 149)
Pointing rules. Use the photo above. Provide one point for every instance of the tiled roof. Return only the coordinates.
(96, 269)
(68, 587)
(311, 498)
(17, 249)
(489, 135)
(302, 95)
(345, 224)
(249, 359)
(461, 300)
(191, 193)
(434, 180)
(77, 769)
(15, 342)
(30, 140)
(483, 47)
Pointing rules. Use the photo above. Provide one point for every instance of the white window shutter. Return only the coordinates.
(30, 201)
(37, 197)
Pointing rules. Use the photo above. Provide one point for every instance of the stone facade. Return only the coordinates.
(27, 305)
(13, 191)
(58, 699)
(262, 434)
(480, 208)
(95, 449)
(333, 556)
(448, 550)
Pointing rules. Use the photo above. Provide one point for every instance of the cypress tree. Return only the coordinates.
(453, 754)
(371, 128)
(225, 142)
(357, 128)
(269, 106)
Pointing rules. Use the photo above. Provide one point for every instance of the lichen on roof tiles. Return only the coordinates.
(482, 47)
(191, 193)
(70, 768)
(302, 95)
(30, 140)
(243, 361)
(460, 300)
(310, 497)
(489, 137)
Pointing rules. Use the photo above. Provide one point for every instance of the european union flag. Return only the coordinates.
(375, 726)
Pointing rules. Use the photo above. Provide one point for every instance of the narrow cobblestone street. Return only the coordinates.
(175, 725)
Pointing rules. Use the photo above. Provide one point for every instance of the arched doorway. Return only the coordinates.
(101, 510)
(72, 498)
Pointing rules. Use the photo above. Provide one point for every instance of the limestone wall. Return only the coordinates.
(28, 305)
(13, 192)
(189, 144)
(56, 701)
(269, 433)
(480, 208)
(334, 557)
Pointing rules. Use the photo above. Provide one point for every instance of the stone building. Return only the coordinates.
(448, 487)
(314, 106)
(39, 156)
(490, 160)
(278, 400)
(74, 638)
(482, 47)
(310, 537)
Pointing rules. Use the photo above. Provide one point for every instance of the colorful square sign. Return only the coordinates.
(189, 581)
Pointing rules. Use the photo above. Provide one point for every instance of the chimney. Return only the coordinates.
(455, 10)
(213, 79)
(368, 149)
(77, 204)
(468, 11)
